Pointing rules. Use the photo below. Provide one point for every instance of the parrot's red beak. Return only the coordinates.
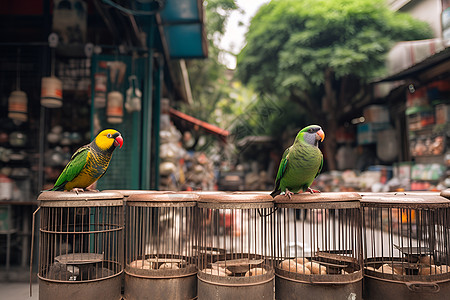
(321, 135)
(118, 141)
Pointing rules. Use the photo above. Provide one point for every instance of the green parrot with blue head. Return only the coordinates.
(301, 163)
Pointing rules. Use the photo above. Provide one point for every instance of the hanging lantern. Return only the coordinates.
(17, 106)
(114, 109)
(100, 90)
(51, 92)
(133, 95)
(17, 101)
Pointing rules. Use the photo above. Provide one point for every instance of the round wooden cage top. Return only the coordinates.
(161, 198)
(235, 200)
(80, 199)
(414, 200)
(319, 200)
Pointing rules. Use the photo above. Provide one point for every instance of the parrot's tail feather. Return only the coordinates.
(55, 188)
(41, 191)
(275, 193)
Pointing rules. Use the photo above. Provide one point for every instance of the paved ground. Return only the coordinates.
(18, 291)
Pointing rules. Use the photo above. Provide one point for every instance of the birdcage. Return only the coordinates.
(406, 246)
(235, 246)
(128, 193)
(80, 245)
(318, 246)
(446, 193)
(159, 252)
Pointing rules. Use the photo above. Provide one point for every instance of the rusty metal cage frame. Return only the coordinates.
(422, 210)
(445, 193)
(142, 209)
(100, 231)
(219, 211)
(331, 212)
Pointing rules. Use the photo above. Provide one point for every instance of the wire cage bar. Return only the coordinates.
(318, 246)
(406, 245)
(80, 242)
(235, 246)
(159, 254)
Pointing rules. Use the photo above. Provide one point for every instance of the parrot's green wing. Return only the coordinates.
(73, 168)
(281, 170)
(320, 168)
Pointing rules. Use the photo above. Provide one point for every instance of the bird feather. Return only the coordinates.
(301, 163)
(73, 168)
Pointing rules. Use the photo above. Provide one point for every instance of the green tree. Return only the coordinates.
(322, 54)
(208, 79)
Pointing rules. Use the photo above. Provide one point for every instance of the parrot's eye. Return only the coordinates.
(109, 135)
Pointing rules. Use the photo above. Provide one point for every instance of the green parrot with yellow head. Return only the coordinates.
(89, 162)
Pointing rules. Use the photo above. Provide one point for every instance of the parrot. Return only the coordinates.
(89, 162)
(301, 163)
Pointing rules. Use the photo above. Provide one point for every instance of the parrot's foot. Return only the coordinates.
(312, 191)
(77, 190)
(92, 190)
(288, 193)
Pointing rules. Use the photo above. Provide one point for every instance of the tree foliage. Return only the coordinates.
(322, 53)
(290, 43)
(208, 76)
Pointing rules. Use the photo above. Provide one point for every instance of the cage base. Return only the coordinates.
(383, 289)
(101, 289)
(291, 289)
(218, 291)
(143, 288)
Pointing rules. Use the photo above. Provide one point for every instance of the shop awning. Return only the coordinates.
(222, 133)
(180, 24)
(420, 60)
(183, 28)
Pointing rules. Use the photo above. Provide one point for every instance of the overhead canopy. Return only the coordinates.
(184, 32)
(180, 23)
(420, 60)
(222, 133)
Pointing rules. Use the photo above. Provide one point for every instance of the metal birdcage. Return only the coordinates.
(80, 245)
(128, 193)
(406, 245)
(446, 193)
(318, 244)
(235, 246)
(160, 238)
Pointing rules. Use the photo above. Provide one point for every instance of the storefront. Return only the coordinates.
(400, 141)
(71, 68)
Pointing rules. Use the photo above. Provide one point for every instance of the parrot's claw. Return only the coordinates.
(289, 193)
(312, 191)
(77, 190)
